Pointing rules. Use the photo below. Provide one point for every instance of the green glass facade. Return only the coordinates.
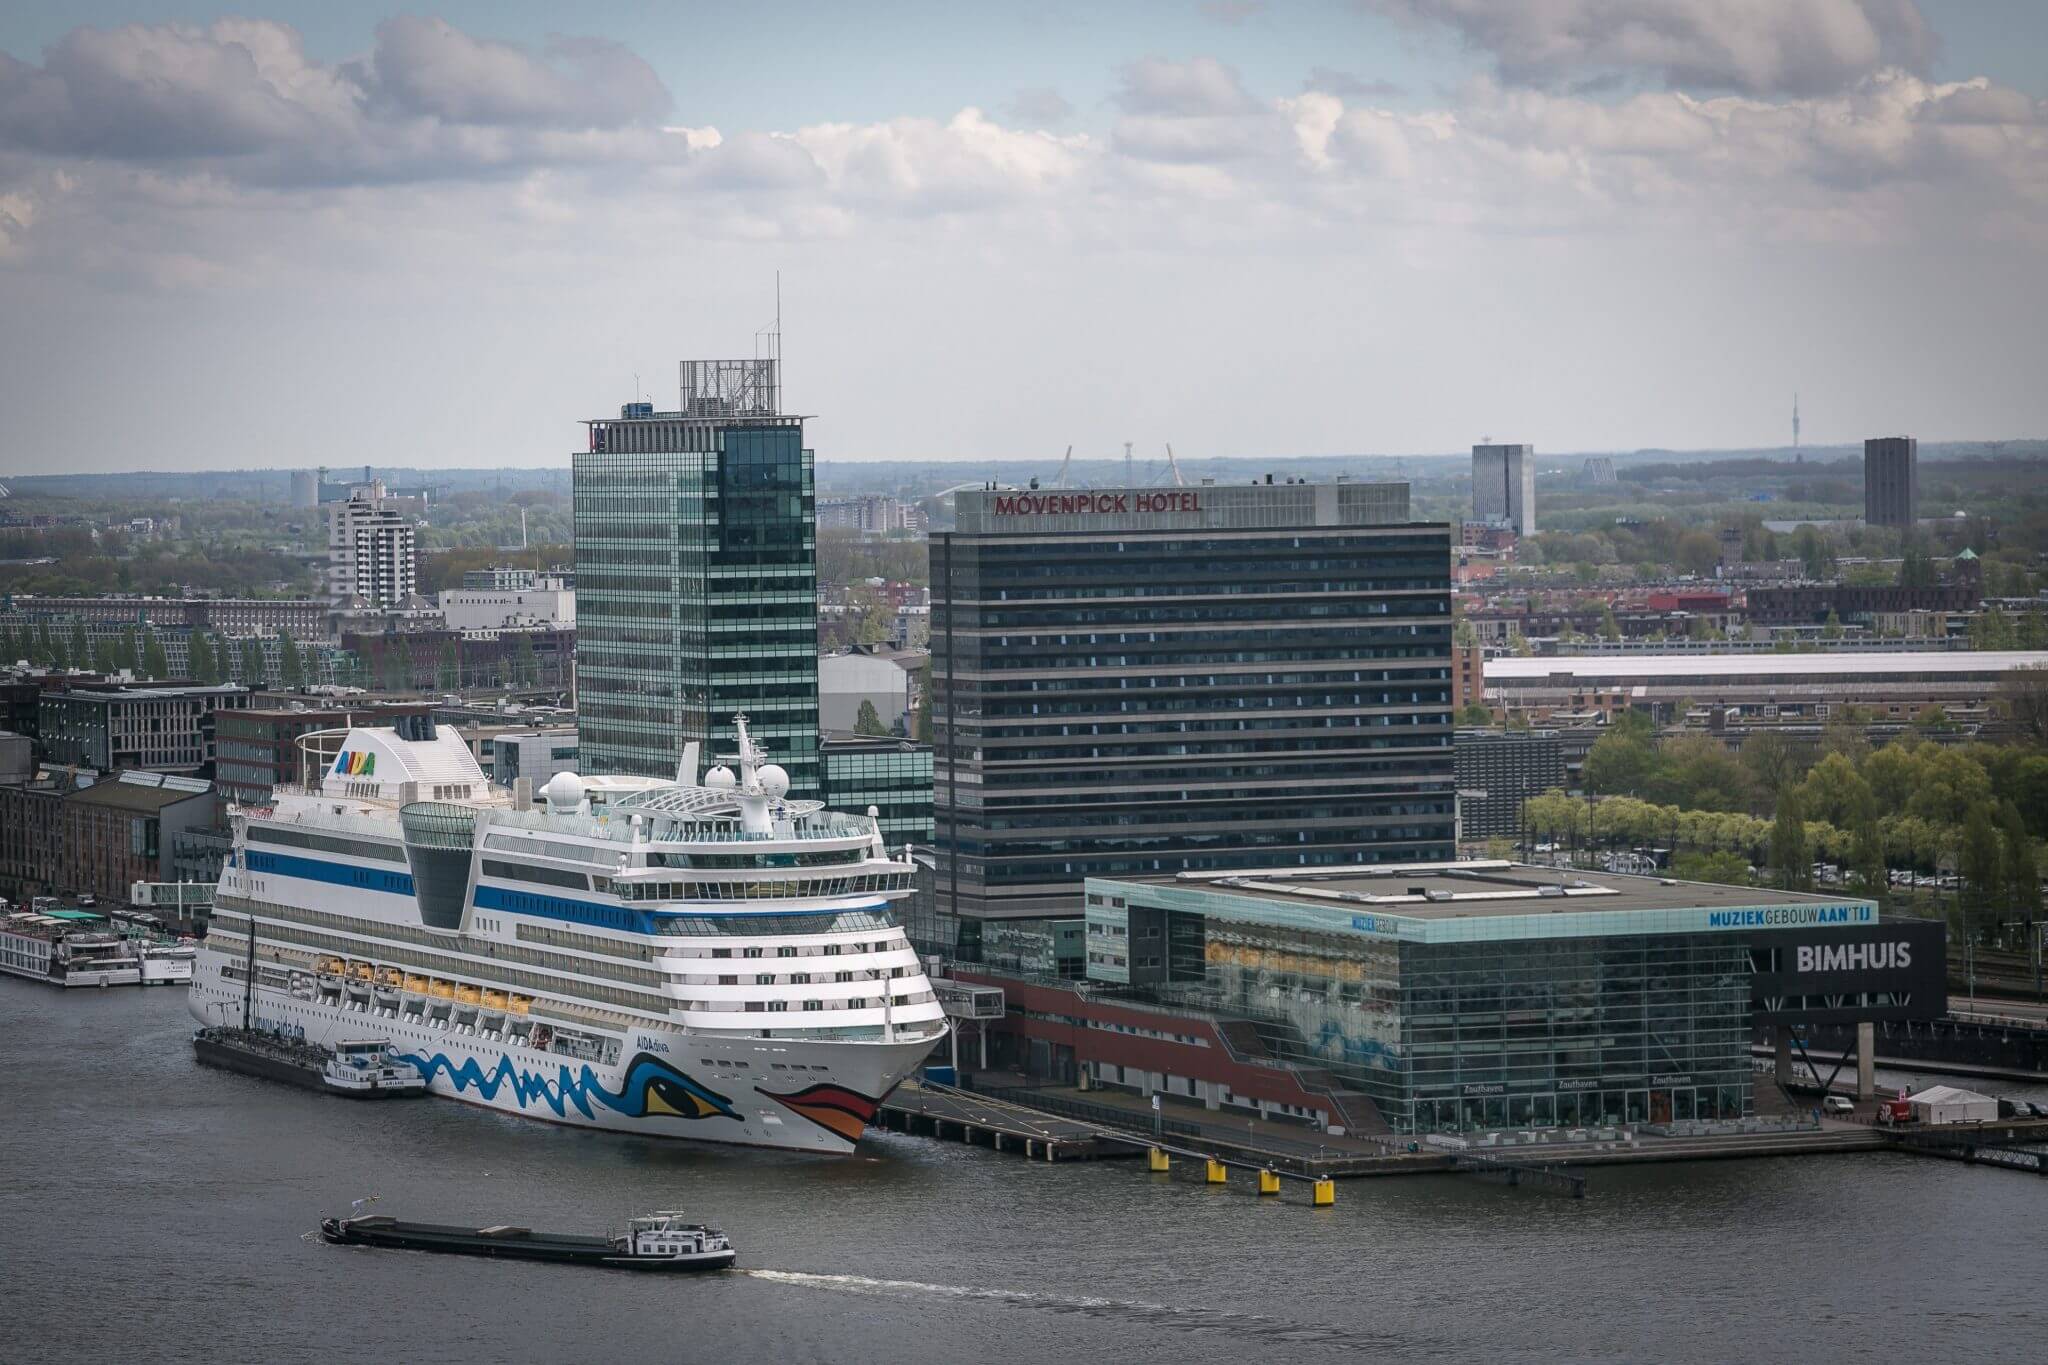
(1562, 1020)
(892, 775)
(696, 577)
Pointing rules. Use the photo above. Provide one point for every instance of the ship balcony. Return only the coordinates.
(804, 958)
(826, 996)
(908, 1021)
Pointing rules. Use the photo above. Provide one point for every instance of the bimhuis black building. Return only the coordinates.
(1130, 681)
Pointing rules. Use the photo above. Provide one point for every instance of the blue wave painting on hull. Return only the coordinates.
(651, 1086)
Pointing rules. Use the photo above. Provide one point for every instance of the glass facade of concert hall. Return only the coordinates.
(1468, 996)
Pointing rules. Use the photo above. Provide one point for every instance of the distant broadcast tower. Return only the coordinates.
(1795, 421)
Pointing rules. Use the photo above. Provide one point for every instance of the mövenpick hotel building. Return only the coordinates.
(1137, 681)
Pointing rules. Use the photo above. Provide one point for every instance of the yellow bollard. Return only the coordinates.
(1326, 1193)
(1269, 1182)
(1217, 1174)
(1158, 1160)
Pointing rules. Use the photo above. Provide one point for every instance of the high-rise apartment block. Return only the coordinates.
(696, 571)
(1148, 680)
(372, 549)
(1891, 481)
(1504, 486)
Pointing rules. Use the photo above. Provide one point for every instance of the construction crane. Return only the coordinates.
(1061, 481)
(1174, 466)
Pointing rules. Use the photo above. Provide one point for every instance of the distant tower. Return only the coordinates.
(1128, 482)
(1504, 486)
(1795, 421)
(1891, 481)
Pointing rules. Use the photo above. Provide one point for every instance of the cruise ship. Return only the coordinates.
(707, 960)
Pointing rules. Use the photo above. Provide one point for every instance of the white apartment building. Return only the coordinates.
(372, 549)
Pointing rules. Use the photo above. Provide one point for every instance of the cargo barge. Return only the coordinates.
(659, 1241)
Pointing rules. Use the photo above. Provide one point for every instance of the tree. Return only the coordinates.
(450, 671)
(1991, 628)
(253, 671)
(1620, 762)
(1867, 865)
(201, 662)
(1844, 733)
(1835, 792)
(1610, 629)
(1816, 553)
(1474, 713)
(1773, 761)
(393, 662)
(155, 662)
(81, 648)
(105, 655)
(10, 648)
(1725, 867)
(525, 667)
(1932, 717)
(1916, 569)
(2021, 870)
(1697, 553)
(1832, 630)
(131, 650)
(869, 721)
(1791, 856)
(2023, 696)
(1695, 771)
(1982, 865)
(291, 668)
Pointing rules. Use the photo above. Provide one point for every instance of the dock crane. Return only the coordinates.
(1173, 466)
(1061, 480)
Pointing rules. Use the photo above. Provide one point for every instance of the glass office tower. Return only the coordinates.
(696, 579)
(1133, 681)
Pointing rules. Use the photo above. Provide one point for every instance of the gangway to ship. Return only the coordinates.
(967, 1004)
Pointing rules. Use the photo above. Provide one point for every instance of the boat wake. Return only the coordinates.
(1154, 1314)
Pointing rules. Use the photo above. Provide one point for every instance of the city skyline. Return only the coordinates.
(1249, 229)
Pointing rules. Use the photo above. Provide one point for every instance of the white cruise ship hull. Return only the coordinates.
(796, 1094)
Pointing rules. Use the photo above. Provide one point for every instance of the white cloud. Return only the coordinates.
(1761, 46)
(1203, 86)
(429, 67)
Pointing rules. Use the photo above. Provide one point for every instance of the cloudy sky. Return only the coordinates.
(317, 235)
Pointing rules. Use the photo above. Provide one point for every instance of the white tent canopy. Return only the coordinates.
(1947, 1104)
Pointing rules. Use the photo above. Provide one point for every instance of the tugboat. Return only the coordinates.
(659, 1241)
(370, 1070)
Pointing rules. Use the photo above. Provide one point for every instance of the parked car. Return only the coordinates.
(1838, 1104)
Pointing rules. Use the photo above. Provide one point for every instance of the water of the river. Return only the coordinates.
(152, 1210)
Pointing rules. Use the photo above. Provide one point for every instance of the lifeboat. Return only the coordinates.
(416, 984)
(444, 989)
(361, 971)
(468, 994)
(494, 999)
(390, 976)
(519, 1004)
